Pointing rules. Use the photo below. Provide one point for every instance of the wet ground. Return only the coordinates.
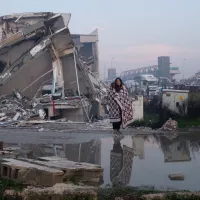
(136, 160)
(157, 157)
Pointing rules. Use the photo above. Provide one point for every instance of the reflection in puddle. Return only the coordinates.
(153, 159)
(175, 150)
(135, 160)
(121, 160)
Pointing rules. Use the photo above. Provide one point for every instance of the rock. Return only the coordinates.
(176, 176)
(3, 118)
(41, 130)
(2, 114)
(63, 120)
(42, 113)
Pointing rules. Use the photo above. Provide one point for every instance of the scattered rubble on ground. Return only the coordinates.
(58, 191)
(17, 110)
(16, 107)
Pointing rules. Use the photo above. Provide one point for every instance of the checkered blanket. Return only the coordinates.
(120, 106)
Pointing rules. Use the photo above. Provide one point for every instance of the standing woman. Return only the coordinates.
(120, 106)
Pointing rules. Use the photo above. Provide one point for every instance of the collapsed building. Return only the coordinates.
(58, 71)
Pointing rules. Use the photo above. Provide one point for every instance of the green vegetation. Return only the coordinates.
(150, 120)
(155, 116)
(9, 184)
(153, 121)
(186, 122)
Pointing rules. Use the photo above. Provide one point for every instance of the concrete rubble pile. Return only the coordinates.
(16, 107)
(57, 71)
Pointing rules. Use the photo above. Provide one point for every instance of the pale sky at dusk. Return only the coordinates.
(134, 32)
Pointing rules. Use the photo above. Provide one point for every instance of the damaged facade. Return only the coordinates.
(56, 70)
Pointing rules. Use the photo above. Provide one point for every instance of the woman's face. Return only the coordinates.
(118, 82)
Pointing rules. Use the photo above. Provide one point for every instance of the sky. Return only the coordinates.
(132, 33)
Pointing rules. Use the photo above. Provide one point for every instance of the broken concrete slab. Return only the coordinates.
(82, 172)
(51, 158)
(49, 171)
(16, 117)
(28, 173)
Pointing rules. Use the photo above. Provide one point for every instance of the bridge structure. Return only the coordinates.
(131, 74)
(196, 76)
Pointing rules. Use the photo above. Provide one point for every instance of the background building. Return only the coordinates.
(164, 66)
(88, 50)
(112, 73)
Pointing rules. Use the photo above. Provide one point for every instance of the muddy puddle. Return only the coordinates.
(135, 160)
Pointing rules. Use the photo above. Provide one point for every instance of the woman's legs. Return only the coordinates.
(116, 125)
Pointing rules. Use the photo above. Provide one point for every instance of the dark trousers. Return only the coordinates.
(116, 125)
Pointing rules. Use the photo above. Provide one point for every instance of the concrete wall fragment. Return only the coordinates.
(28, 74)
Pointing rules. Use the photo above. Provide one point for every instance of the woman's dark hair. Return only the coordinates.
(119, 80)
(114, 85)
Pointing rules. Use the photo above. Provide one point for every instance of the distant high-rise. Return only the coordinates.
(112, 73)
(164, 66)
